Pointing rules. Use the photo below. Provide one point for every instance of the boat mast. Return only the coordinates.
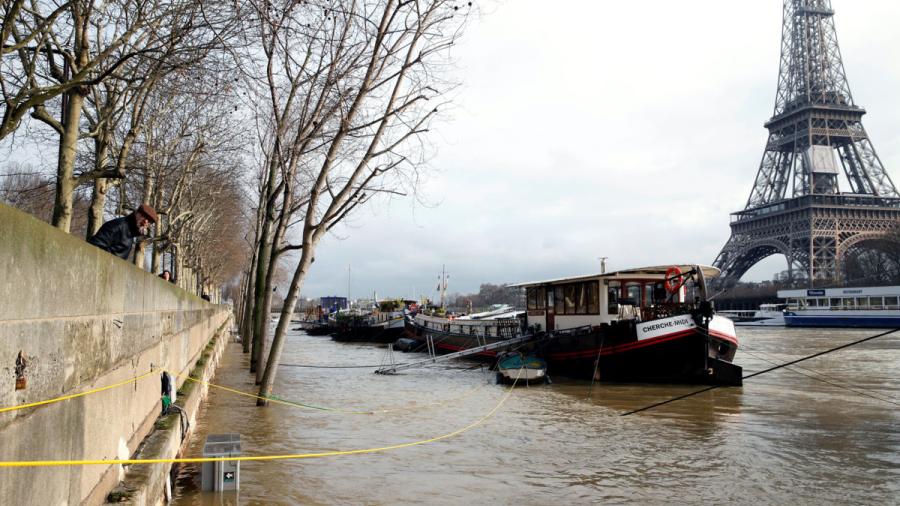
(442, 283)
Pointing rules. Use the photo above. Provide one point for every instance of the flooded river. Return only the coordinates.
(824, 432)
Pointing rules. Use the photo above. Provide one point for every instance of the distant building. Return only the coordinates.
(332, 304)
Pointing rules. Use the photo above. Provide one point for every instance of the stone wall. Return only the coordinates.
(83, 319)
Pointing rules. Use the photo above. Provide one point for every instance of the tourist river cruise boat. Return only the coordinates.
(864, 307)
(650, 324)
(768, 315)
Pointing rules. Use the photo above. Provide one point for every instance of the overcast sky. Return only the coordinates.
(598, 128)
(588, 128)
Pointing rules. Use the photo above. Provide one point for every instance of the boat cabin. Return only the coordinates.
(635, 294)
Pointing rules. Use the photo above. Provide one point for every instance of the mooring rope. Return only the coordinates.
(55, 463)
(819, 354)
(309, 366)
(813, 375)
(278, 400)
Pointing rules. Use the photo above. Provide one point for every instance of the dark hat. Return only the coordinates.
(148, 211)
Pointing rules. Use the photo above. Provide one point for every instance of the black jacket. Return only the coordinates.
(117, 236)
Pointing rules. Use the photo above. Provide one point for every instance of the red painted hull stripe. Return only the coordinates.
(592, 352)
(629, 346)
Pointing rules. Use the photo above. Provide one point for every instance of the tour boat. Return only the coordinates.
(768, 315)
(863, 307)
(652, 324)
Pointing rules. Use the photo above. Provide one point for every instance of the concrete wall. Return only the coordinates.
(84, 319)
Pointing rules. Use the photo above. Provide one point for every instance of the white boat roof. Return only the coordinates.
(840, 292)
(501, 309)
(655, 272)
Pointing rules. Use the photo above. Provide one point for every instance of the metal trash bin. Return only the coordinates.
(223, 475)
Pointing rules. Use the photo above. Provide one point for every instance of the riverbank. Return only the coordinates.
(92, 334)
(151, 484)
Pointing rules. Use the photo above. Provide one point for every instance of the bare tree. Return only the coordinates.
(76, 47)
(383, 60)
(25, 39)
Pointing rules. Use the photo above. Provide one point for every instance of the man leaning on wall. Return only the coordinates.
(117, 236)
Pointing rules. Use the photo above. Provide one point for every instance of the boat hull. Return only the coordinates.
(687, 356)
(374, 334)
(844, 319)
(522, 376)
(319, 330)
(446, 342)
(672, 351)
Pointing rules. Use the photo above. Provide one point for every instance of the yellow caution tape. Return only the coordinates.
(73, 396)
(52, 463)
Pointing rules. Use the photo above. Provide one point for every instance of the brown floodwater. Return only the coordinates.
(824, 432)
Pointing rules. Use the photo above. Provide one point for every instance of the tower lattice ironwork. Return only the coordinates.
(816, 144)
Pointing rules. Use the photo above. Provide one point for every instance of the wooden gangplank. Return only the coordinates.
(435, 359)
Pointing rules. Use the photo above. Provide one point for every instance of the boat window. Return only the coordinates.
(876, 301)
(890, 301)
(812, 302)
(849, 302)
(862, 301)
(633, 292)
(835, 302)
(659, 293)
(581, 298)
(612, 293)
(648, 294)
(593, 304)
(560, 300)
(570, 299)
(537, 299)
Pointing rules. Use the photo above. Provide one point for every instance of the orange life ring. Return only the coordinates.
(672, 274)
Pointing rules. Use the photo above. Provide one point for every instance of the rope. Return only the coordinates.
(53, 463)
(279, 400)
(73, 396)
(814, 376)
(854, 343)
(334, 366)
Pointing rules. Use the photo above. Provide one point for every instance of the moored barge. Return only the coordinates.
(652, 324)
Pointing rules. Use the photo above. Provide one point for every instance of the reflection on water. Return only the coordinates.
(793, 436)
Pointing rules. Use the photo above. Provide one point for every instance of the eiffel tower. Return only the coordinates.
(816, 136)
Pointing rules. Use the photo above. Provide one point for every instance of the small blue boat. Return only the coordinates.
(513, 366)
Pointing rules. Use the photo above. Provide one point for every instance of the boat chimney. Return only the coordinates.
(602, 264)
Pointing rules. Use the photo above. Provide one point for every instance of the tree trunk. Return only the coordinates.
(268, 379)
(247, 318)
(65, 166)
(259, 296)
(260, 318)
(98, 202)
(264, 334)
(101, 185)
